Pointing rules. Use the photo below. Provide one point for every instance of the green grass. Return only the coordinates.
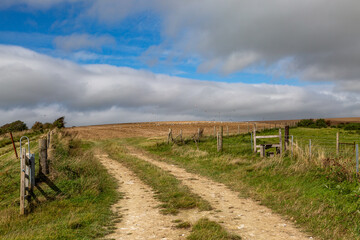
(74, 205)
(173, 195)
(317, 199)
(205, 229)
(182, 224)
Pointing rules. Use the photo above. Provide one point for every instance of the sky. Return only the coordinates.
(115, 61)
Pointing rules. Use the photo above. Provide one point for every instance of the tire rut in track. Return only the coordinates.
(243, 217)
(141, 218)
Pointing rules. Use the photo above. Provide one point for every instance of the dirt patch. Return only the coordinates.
(141, 218)
(243, 217)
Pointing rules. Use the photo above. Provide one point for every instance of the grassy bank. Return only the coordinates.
(169, 190)
(73, 203)
(312, 196)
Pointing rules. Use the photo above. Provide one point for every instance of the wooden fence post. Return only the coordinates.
(43, 165)
(48, 140)
(13, 143)
(286, 145)
(238, 129)
(220, 140)
(254, 136)
(251, 141)
(280, 140)
(221, 137)
(337, 143)
(214, 131)
(227, 129)
(169, 135)
(248, 127)
(50, 148)
(262, 150)
(32, 171)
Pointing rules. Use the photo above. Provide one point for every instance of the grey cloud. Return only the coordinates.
(83, 41)
(34, 85)
(319, 38)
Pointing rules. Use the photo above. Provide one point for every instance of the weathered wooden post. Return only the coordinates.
(43, 164)
(199, 134)
(220, 140)
(262, 150)
(286, 145)
(337, 143)
(13, 143)
(181, 138)
(248, 127)
(254, 136)
(48, 140)
(238, 129)
(280, 141)
(214, 131)
(251, 141)
(221, 137)
(169, 136)
(227, 130)
(32, 170)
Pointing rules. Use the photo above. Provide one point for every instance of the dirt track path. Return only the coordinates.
(140, 215)
(240, 216)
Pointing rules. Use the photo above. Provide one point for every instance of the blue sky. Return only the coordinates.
(266, 52)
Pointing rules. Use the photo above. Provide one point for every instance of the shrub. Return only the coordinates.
(352, 126)
(38, 126)
(16, 126)
(59, 123)
(310, 123)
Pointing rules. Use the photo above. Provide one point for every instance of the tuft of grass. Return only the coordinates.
(74, 203)
(204, 229)
(169, 190)
(183, 225)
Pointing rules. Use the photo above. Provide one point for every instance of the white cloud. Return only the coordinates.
(35, 85)
(83, 41)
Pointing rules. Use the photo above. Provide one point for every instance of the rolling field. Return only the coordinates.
(186, 190)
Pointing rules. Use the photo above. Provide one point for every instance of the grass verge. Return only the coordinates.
(309, 195)
(204, 229)
(73, 203)
(169, 190)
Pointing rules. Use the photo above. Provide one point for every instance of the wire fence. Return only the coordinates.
(323, 147)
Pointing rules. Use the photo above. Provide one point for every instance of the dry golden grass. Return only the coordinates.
(161, 129)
